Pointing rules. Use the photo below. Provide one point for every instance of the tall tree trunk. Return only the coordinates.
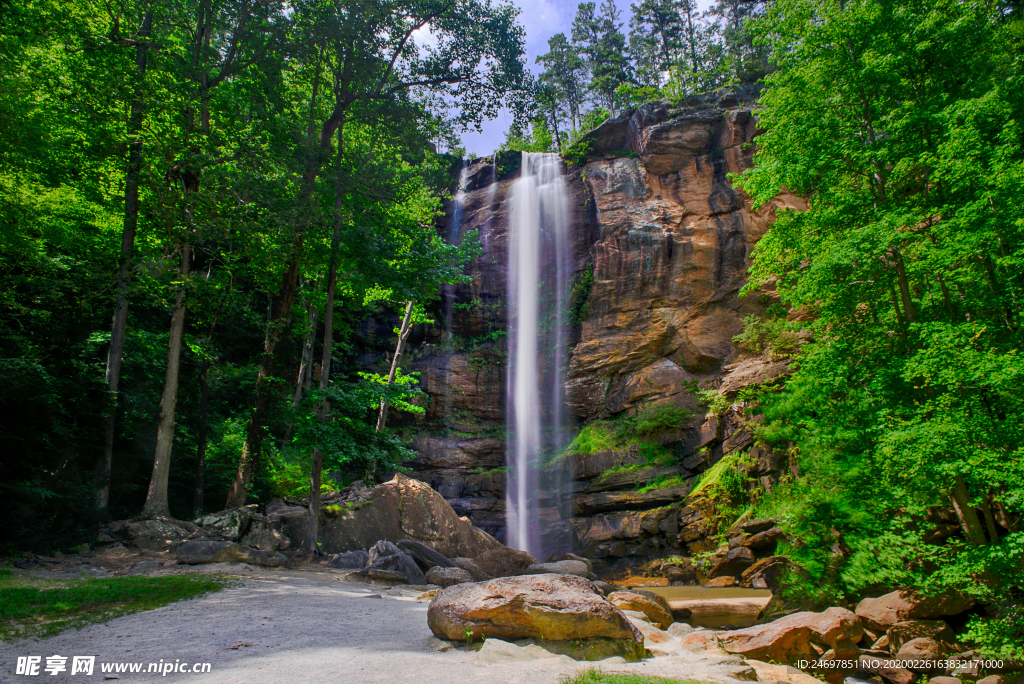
(204, 403)
(316, 469)
(306, 362)
(904, 284)
(554, 124)
(990, 520)
(280, 311)
(969, 521)
(130, 226)
(277, 325)
(156, 499)
(403, 333)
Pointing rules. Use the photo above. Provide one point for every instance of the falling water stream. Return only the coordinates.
(537, 282)
(448, 305)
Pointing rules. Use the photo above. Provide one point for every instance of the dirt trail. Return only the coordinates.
(294, 627)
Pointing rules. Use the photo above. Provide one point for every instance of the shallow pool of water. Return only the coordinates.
(703, 594)
(723, 608)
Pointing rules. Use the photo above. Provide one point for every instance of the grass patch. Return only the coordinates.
(620, 469)
(663, 482)
(656, 420)
(599, 677)
(33, 607)
(615, 435)
(620, 434)
(723, 478)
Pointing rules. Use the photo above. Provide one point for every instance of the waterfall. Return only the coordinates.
(448, 303)
(538, 277)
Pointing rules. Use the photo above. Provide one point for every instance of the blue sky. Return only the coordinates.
(541, 19)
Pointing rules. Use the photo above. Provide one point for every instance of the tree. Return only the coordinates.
(655, 40)
(599, 38)
(377, 63)
(137, 105)
(742, 59)
(217, 48)
(910, 254)
(564, 73)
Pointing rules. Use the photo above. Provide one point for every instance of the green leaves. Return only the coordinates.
(904, 146)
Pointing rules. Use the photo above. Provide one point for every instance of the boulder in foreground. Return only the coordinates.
(548, 607)
(790, 639)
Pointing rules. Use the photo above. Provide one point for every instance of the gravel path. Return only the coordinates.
(298, 627)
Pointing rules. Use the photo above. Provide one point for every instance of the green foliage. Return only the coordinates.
(576, 154)
(598, 38)
(593, 676)
(910, 251)
(656, 420)
(40, 608)
(540, 138)
(771, 335)
(714, 401)
(241, 156)
(641, 431)
(579, 296)
(662, 482)
(723, 480)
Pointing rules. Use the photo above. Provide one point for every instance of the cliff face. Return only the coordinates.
(664, 241)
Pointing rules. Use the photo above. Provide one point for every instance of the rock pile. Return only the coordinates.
(880, 638)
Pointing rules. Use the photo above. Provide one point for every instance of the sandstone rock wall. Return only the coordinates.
(667, 239)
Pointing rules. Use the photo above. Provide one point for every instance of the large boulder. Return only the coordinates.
(735, 562)
(885, 611)
(504, 562)
(264, 537)
(198, 552)
(404, 508)
(290, 521)
(549, 607)
(650, 604)
(924, 649)
(790, 639)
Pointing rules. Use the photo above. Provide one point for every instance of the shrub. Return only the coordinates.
(770, 335)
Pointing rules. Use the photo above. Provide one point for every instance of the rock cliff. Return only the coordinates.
(661, 245)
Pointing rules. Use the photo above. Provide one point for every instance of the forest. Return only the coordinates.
(207, 207)
(235, 183)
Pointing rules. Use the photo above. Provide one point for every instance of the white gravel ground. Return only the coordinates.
(298, 627)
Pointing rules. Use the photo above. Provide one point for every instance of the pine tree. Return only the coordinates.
(600, 40)
(655, 40)
(744, 61)
(564, 72)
